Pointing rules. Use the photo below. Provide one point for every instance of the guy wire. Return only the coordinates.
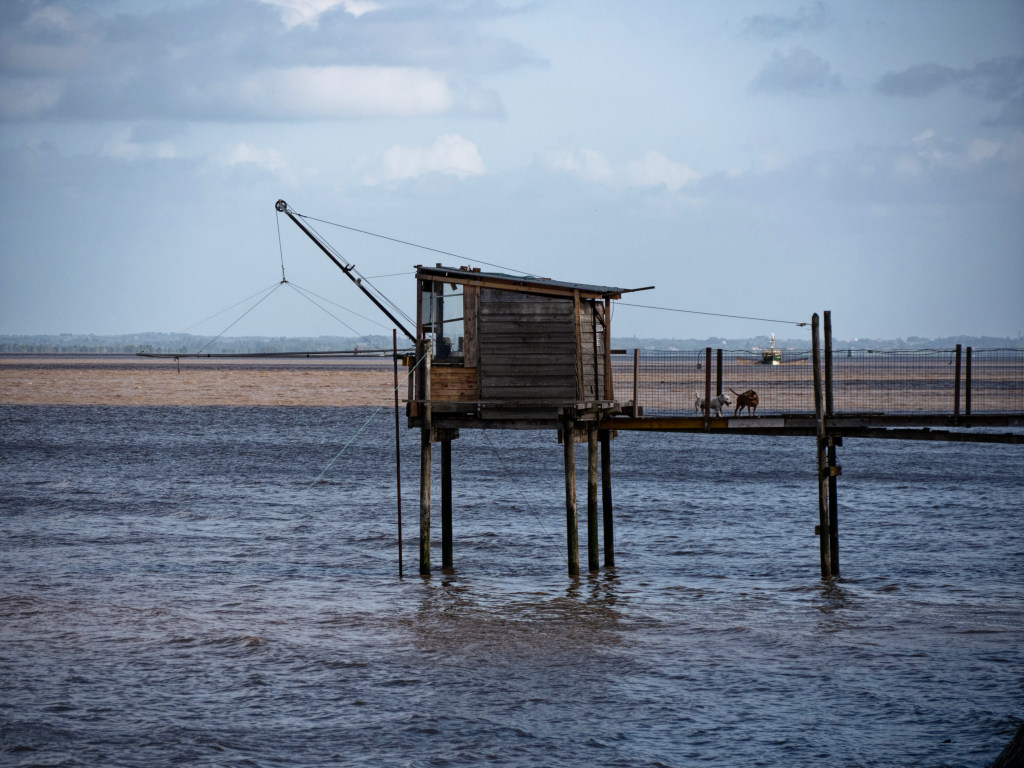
(366, 423)
(414, 245)
(714, 314)
(233, 567)
(525, 500)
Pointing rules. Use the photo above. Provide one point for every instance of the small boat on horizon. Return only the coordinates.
(772, 356)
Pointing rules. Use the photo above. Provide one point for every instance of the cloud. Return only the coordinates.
(248, 154)
(322, 92)
(800, 71)
(28, 97)
(236, 60)
(584, 163)
(1012, 114)
(124, 145)
(920, 80)
(929, 152)
(297, 12)
(652, 170)
(995, 79)
(449, 154)
(771, 26)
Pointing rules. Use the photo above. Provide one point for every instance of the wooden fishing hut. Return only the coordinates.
(497, 351)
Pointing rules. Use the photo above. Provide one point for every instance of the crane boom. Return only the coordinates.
(282, 207)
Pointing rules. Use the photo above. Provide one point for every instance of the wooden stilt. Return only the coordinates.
(425, 467)
(636, 383)
(832, 441)
(425, 502)
(447, 561)
(833, 504)
(956, 386)
(707, 389)
(967, 383)
(606, 497)
(821, 454)
(718, 371)
(571, 532)
(593, 558)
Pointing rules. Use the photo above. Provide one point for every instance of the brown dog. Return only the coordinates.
(746, 400)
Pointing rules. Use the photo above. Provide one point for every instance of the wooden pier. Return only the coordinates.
(495, 351)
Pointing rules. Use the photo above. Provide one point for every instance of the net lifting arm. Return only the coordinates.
(282, 207)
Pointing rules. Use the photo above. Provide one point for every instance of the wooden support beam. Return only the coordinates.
(425, 502)
(593, 558)
(606, 497)
(425, 467)
(718, 371)
(956, 387)
(821, 454)
(967, 383)
(447, 561)
(707, 389)
(609, 381)
(833, 506)
(636, 383)
(833, 469)
(571, 531)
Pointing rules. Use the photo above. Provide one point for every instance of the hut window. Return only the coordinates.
(442, 319)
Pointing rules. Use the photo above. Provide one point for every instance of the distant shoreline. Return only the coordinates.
(185, 344)
(139, 381)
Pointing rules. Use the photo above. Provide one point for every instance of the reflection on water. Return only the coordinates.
(177, 591)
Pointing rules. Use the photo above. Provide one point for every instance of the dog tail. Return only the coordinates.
(734, 391)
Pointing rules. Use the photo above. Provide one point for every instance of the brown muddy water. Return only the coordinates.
(179, 589)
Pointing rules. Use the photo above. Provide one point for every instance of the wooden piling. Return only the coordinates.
(967, 383)
(832, 442)
(956, 387)
(604, 436)
(593, 558)
(833, 504)
(824, 540)
(707, 389)
(636, 383)
(718, 371)
(424, 502)
(447, 561)
(425, 466)
(571, 532)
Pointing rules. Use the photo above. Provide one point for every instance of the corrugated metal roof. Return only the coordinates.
(543, 284)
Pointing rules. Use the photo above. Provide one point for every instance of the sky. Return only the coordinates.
(756, 162)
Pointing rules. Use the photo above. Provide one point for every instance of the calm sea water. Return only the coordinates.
(176, 590)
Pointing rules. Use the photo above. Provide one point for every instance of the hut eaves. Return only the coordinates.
(527, 283)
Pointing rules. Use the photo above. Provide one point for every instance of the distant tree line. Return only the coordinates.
(183, 343)
(763, 342)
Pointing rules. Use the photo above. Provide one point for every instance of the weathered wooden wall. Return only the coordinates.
(527, 347)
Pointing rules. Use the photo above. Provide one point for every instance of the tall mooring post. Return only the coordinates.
(832, 441)
(821, 454)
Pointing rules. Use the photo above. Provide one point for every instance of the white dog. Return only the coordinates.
(714, 405)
